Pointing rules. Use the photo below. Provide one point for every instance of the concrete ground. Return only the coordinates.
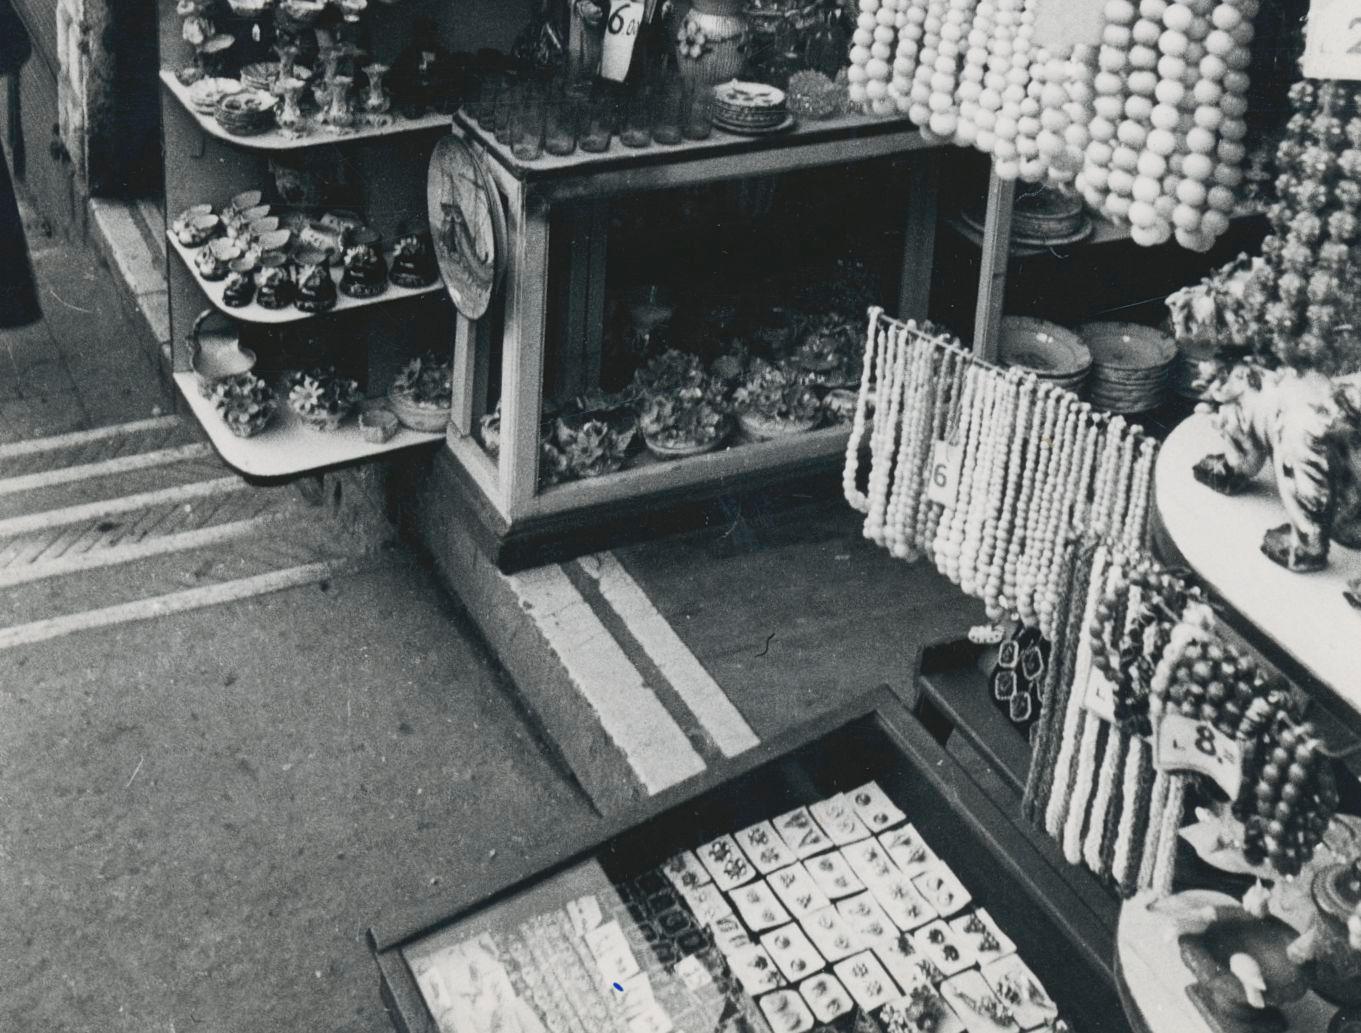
(235, 725)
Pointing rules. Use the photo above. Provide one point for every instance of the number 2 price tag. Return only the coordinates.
(1099, 696)
(1332, 40)
(1185, 744)
(942, 476)
(621, 32)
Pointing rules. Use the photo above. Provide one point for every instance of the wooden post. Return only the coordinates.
(522, 351)
(992, 276)
(919, 241)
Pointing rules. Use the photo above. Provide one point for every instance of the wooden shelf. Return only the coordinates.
(288, 447)
(1104, 231)
(254, 313)
(276, 141)
(722, 156)
(1220, 536)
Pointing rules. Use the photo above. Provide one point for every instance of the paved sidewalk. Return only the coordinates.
(86, 364)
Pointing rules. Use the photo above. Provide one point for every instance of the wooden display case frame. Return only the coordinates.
(584, 183)
(995, 860)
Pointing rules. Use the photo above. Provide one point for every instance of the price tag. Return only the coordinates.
(942, 476)
(1185, 744)
(621, 32)
(1332, 40)
(1099, 696)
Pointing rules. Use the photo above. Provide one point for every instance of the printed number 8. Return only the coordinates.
(1205, 740)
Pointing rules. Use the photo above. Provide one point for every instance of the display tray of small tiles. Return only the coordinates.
(840, 915)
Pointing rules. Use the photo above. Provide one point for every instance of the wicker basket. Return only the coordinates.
(226, 358)
(418, 417)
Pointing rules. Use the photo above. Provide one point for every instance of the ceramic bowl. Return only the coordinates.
(260, 227)
(275, 240)
(1048, 349)
(245, 199)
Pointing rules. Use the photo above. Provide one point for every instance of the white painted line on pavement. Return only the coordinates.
(632, 716)
(116, 554)
(173, 602)
(30, 522)
(703, 696)
(85, 437)
(105, 468)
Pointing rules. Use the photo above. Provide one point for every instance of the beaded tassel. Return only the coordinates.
(1066, 762)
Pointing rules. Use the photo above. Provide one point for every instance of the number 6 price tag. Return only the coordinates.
(942, 476)
(1332, 40)
(1185, 744)
(621, 32)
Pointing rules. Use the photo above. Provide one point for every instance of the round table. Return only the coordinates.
(1153, 980)
(1220, 537)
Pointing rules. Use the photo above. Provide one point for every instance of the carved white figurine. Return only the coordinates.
(1310, 428)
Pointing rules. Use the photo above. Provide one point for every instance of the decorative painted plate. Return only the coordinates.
(467, 225)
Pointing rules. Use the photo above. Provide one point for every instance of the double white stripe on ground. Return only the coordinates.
(637, 722)
(175, 602)
(104, 468)
(701, 694)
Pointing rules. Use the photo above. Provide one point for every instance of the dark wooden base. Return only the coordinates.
(564, 536)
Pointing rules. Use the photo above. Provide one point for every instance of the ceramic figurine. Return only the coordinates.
(316, 290)
(376, 101)
(339, 115)
(239, 290)
(292, 122)
(1241, 963)
(365, 273)
(1336, 968)
(413, 261)
(210, 265)
(1310, 428)
(198, 30)
(274, 282)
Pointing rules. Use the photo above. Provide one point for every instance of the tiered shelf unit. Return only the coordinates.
(205, 163)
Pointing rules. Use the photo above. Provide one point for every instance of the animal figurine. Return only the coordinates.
(1309, 426)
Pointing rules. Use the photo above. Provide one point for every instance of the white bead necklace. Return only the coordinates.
(850, 472)
(992, 592)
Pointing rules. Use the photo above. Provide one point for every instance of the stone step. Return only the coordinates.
(221, 553)
(94, 446)
(83, 486)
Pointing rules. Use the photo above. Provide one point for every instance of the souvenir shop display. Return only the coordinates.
(1147, 126)
(318, 80)
(853, 902)
(254, 256)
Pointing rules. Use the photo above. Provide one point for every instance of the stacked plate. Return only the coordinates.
(1131, 365)
(1046, 349)
(206, 92)
(750, 108)
(246, 112)
(1041, 218)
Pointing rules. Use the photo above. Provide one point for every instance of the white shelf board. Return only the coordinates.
(288, 447)
(1220, 536)
(276, 141)
(255, 313)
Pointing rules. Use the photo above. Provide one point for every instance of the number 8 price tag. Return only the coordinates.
(1185, 744)
(942, 476)
(1332, 40)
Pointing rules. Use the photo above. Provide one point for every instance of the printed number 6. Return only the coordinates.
(616, 23)
(1205, 740)
(938, 476)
